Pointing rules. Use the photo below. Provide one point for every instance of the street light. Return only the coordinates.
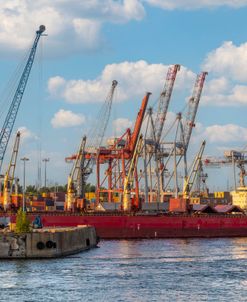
(45, 160)
(24, 159)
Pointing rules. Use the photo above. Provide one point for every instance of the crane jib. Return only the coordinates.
(15, 104)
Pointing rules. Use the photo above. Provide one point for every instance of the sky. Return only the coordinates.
(90, 43)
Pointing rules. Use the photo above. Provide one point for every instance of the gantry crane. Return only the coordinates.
(15, 104)
(9, 175)
(231, 158)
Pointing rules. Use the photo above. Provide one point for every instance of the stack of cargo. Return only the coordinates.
(213, 199)
(59, 200)
(35, 204)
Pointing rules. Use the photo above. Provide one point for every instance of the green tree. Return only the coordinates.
(31, 190)
(22, 222)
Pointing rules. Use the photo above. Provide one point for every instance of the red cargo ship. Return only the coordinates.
(141, 226)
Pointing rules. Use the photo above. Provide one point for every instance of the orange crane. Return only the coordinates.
(118, 158)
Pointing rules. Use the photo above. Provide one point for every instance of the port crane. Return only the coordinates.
(231, 158)
(152, 146)
(158, 126)
(9, 175)
(180, 147)
(75, 177)
(86, 155)
(119, 158)
(8, 124)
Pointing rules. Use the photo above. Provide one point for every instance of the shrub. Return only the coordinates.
(22, 222)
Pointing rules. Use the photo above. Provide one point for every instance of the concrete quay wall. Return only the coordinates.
(47, 242)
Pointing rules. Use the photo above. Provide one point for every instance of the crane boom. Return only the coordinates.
(164, 100)
(193, 106)
(13, 109)
(98, 132)
(138, 123)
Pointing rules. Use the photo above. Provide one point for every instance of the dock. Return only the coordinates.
(47, 242)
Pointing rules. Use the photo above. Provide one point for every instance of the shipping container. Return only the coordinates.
(50, 208)
(59, 203)
(178, 205)
(59, 208)
(58, 196)
(49, 202)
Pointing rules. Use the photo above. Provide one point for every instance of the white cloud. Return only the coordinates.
(195, 4)
(135, 78)
(67, 118)
(225, 133)
(220, 92)
(228, 60)
(121, 124)
(71, 25)
(26, 134)
(56, 85)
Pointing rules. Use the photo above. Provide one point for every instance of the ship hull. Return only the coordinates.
(152, 226)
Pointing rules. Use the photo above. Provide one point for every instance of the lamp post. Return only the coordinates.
(45, 160)
(24, 159)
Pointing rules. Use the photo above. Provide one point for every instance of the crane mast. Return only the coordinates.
(13, 109)
(9, 176)
(193, 106)
(164, 100)
(190, 179)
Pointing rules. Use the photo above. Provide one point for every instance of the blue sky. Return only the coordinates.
(91, 43)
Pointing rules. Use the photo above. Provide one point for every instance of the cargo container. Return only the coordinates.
(178, 205)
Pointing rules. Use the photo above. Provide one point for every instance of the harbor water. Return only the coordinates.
(140, 270)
